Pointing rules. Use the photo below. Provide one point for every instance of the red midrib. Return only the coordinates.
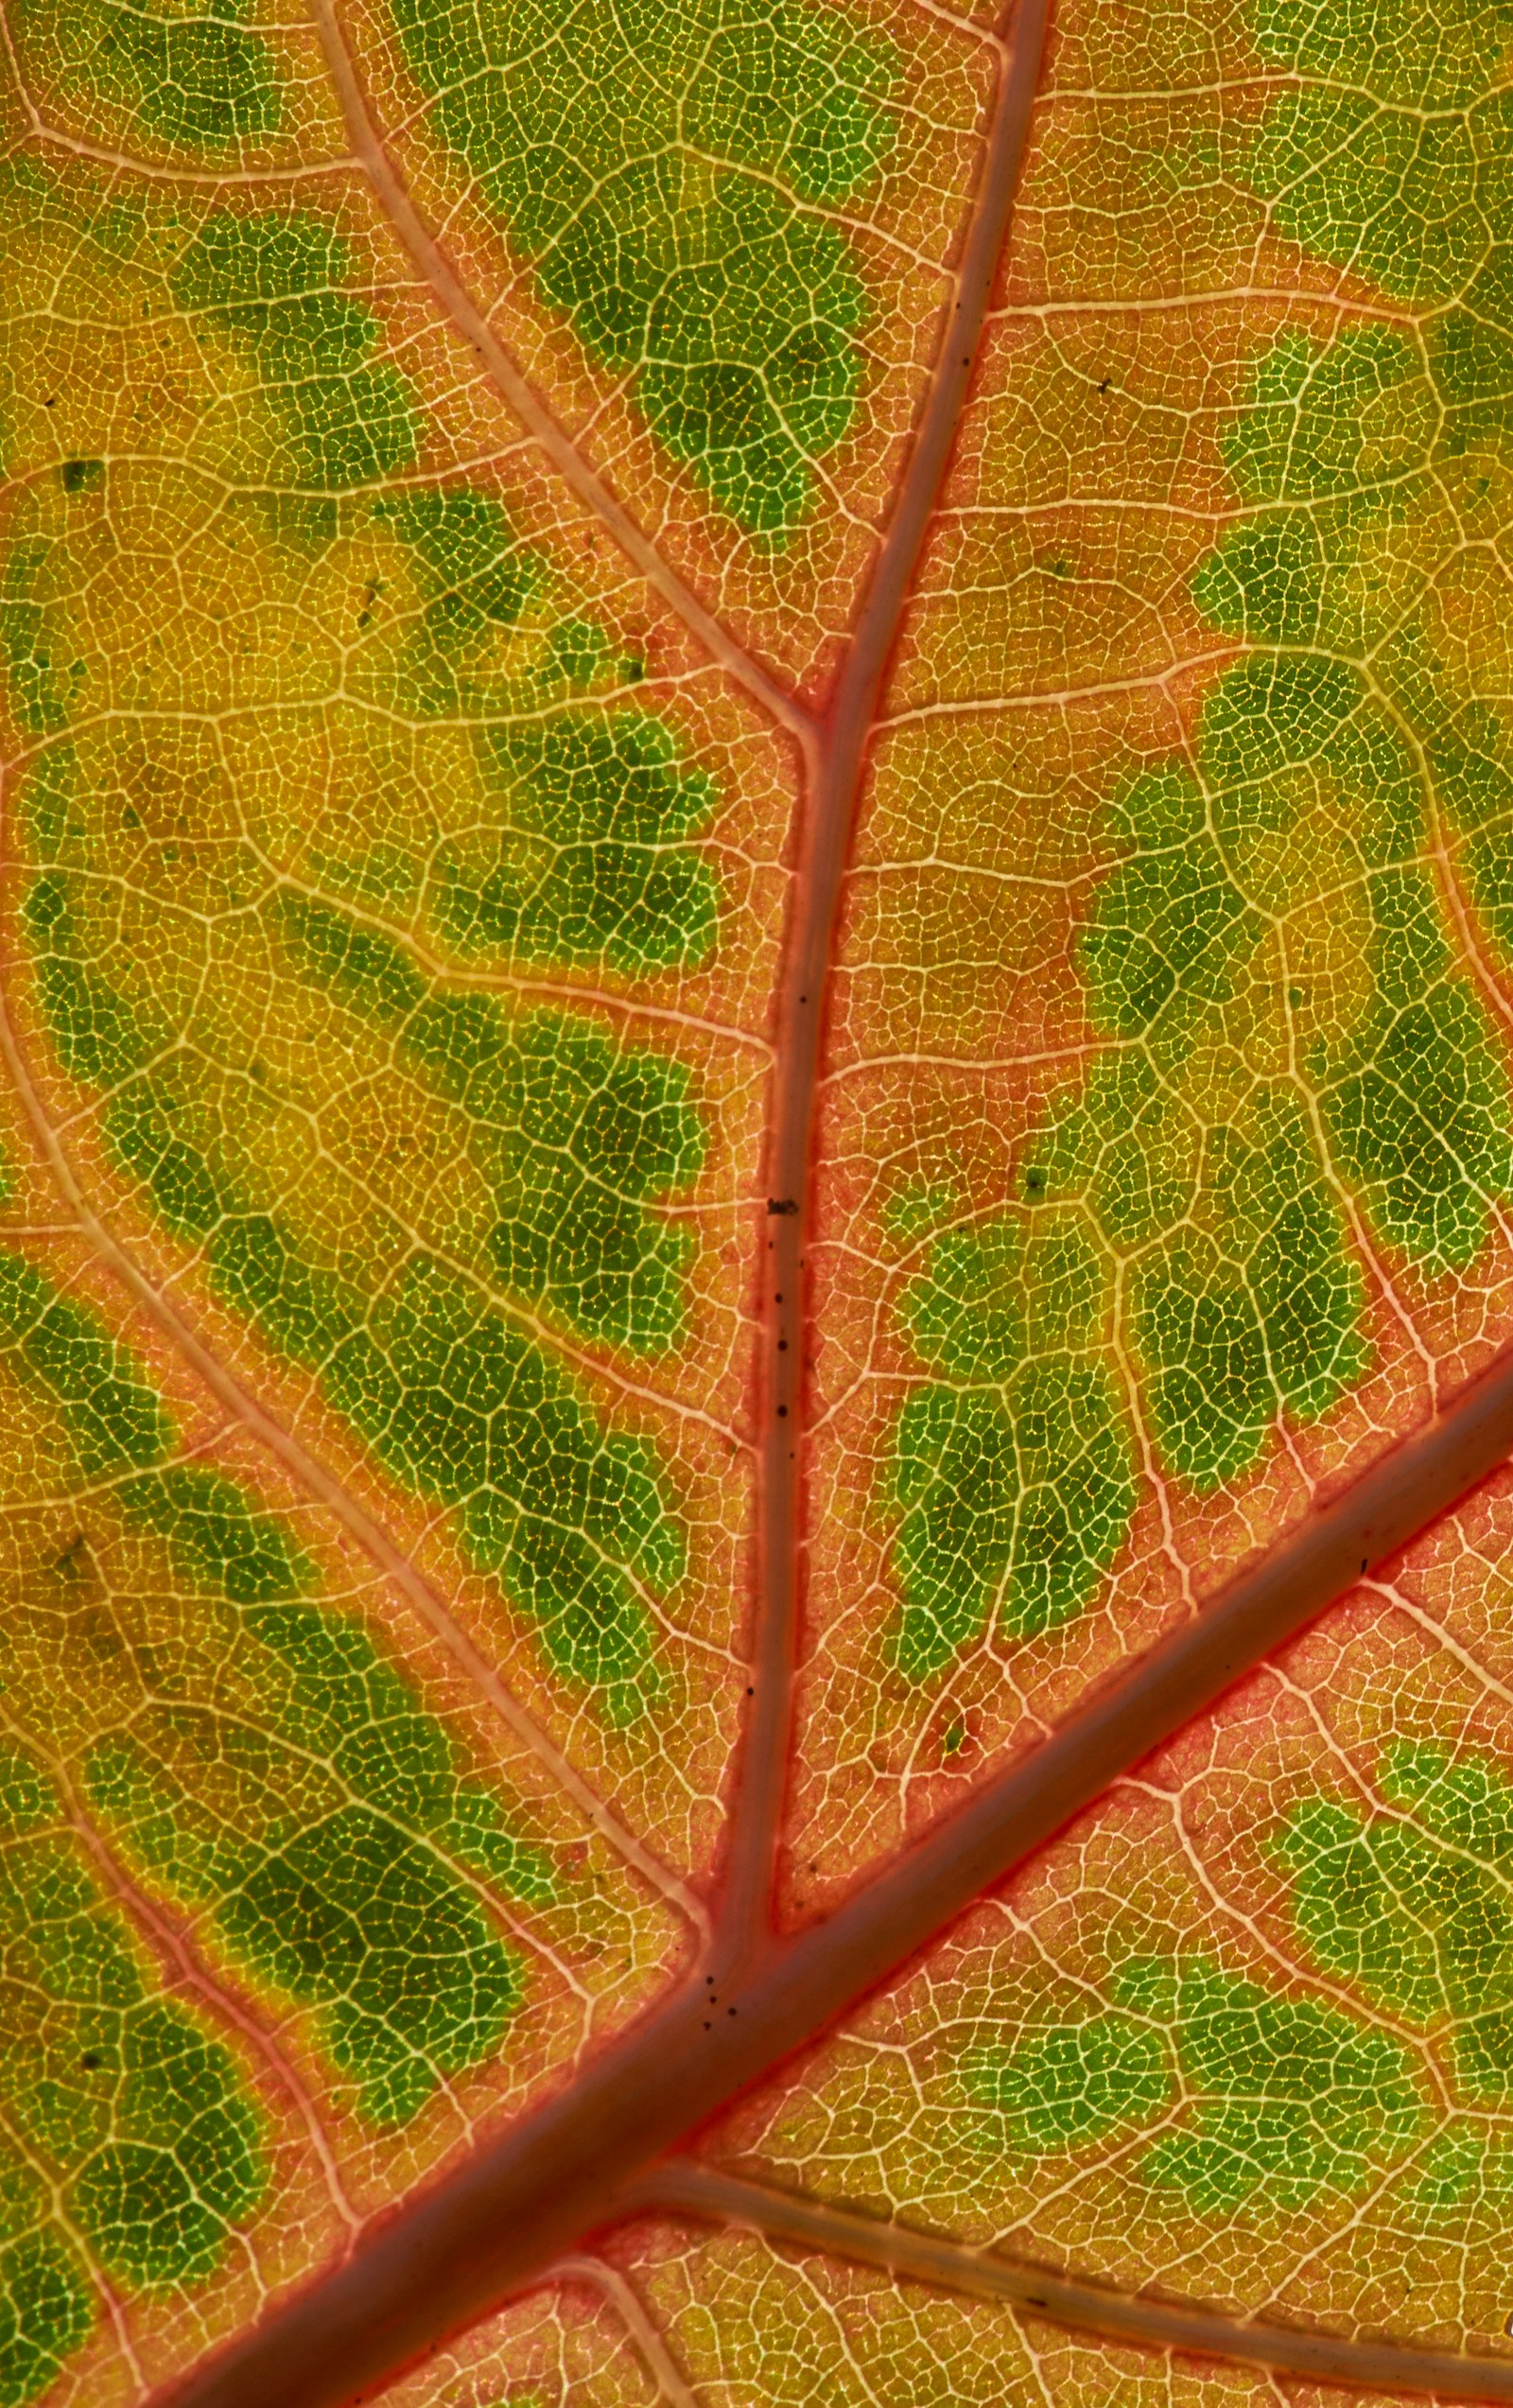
(829, 823)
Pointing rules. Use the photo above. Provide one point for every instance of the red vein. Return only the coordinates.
(495, 2222)
(314, 1478)
(453, 298)
(1083, 2307)
(746, 1913)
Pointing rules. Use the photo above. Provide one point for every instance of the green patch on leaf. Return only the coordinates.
(1015, 1470)
(333, 1845)
(46, 2311)
(1168, 923)
(917, 1206)
(574, 1134)
(220, 1540)
(737, 316)
(570, 1139)
(661, 179)
(1413, 1094)
(113, 1419)
(1068, 2085)
(200, 81)
(1304, 813)
(589, 860)
(462, 1408)
(270, 287)
(1277, 2100)
(143, 2117)
(474, 570)
(477, 582)
(1325, 422)
(465, 620)
(1471, 760)
(1389, 154)
(346, 1912)
(1288, 2100)
(44, 669)
(1257, 1319)
(1451, 2171)
(1413, 1907)
(1331, 459)
(1393, 158)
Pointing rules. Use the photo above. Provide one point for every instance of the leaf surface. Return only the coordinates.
(755, 1254)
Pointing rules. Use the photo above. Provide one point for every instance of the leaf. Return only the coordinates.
(755, 1250)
